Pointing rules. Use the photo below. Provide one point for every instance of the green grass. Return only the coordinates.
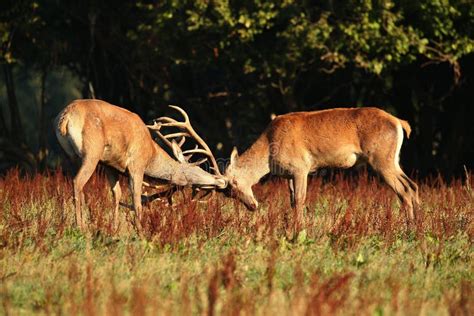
(355, 255)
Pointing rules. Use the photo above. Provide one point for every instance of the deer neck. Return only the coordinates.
(161, 165)
(253, 164)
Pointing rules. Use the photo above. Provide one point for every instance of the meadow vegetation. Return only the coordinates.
(354, 256)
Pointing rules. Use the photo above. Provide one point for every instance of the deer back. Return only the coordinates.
(324, 138)
(115, 135)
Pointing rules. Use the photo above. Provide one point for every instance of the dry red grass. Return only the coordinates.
(37, 211)
(344, 208)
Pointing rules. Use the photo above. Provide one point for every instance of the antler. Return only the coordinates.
(186, 131)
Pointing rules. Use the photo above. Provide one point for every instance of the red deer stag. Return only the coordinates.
(295, 144)
(98, 132)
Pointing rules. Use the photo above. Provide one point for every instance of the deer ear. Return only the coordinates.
(233, 156)
(178, 153)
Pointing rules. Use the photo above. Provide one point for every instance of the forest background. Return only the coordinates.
(232, 64)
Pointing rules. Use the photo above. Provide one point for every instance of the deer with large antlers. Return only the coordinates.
(96, 132)
(295, 144)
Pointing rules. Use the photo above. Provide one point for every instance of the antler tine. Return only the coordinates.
(166, 119)
(157, 125)
(183, 113)
(181, 141)
(176, 135)
(189, 131)
(195, 151)
(187, 125)
(163, 138)
(199, 162)
(158, 187)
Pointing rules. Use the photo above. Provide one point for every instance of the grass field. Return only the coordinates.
(355, 255)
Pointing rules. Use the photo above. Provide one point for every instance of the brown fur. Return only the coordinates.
(98, 132)
(62, 123)
(295, 144)
(406, 127)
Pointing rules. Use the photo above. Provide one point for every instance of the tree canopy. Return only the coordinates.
(232, 64)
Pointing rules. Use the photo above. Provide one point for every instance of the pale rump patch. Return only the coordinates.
(399, 146)
(350, 160)
(75, 137)
(64, 142)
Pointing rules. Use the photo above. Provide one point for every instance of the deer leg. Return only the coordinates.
(113, 178)
(300, 184)
(392, 178)
(85, 172)
(291, 186)
(135, 183)
(412, 189)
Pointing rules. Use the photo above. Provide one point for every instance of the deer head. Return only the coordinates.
(94, 131)
(240, 185)
(190, 172)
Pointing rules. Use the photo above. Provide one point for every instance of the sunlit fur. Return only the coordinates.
(295, 144)
(94, 131)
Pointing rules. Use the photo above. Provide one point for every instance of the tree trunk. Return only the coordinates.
(3, 125)
(15, 119)
(42, 150)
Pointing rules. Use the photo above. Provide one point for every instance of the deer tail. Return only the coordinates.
(406, 127)
(61, 123)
